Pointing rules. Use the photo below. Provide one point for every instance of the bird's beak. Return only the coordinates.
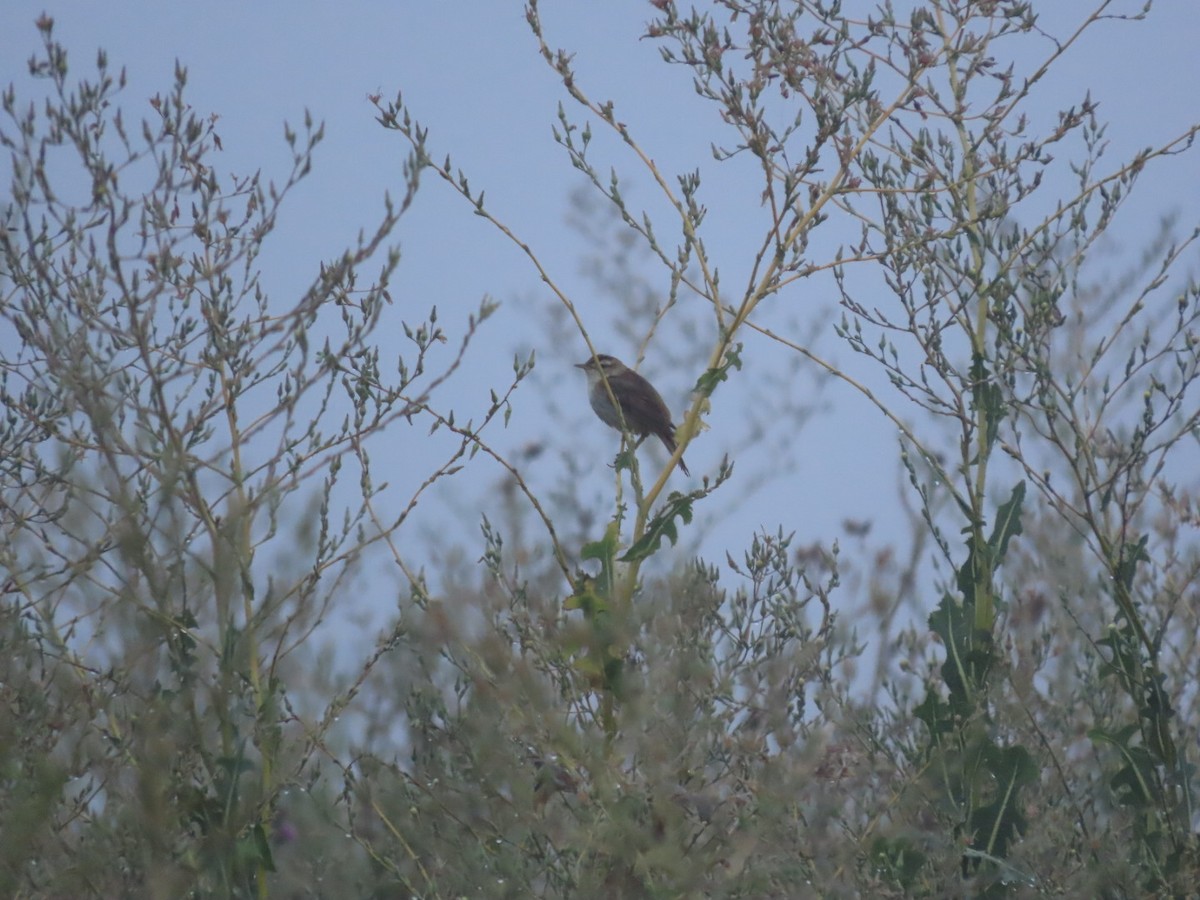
(583, 365)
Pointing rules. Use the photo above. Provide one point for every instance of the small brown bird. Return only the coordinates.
(642, 412)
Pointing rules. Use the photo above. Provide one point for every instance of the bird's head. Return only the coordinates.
(610, 366)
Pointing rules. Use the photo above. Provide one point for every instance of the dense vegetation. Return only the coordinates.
(194, 482)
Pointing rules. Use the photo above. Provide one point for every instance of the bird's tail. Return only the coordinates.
(668, 439)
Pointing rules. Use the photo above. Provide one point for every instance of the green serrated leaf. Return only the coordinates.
(590, 668)
(262, 848)
(952, 622)
(976, 569)
(1158, 712)
(1132, 553)
(1008, 523)
(605, 550)
(586, 599)
(1119, 738)
(1126, 661)
(898, 859)
(935, 713)
(988, 399)
(661, 526)
(1134, 784)
(1002, 772)
(708, 381)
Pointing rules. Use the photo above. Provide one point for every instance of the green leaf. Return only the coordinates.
(1134, 784)
(968, 654)
(1158, 712)
(1131, 555)
(996, 824)
(605, 550)
(1008, 524)
(988, 398)
(897, 860)
(591, 668)
(587, 599)
(707, 382)
(935, 713)
(257, 849)
(661, 526)
(1126, 661)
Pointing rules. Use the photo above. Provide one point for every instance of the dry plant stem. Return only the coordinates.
(767, 281)
(560, 63)
(459, 186)
(884, 811)
(385, 532)
(472, 438)
(967, 183)
(984, 611)
(767, 284)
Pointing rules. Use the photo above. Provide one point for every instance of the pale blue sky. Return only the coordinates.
(471, 72)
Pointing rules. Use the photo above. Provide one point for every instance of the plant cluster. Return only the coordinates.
(196, 479)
